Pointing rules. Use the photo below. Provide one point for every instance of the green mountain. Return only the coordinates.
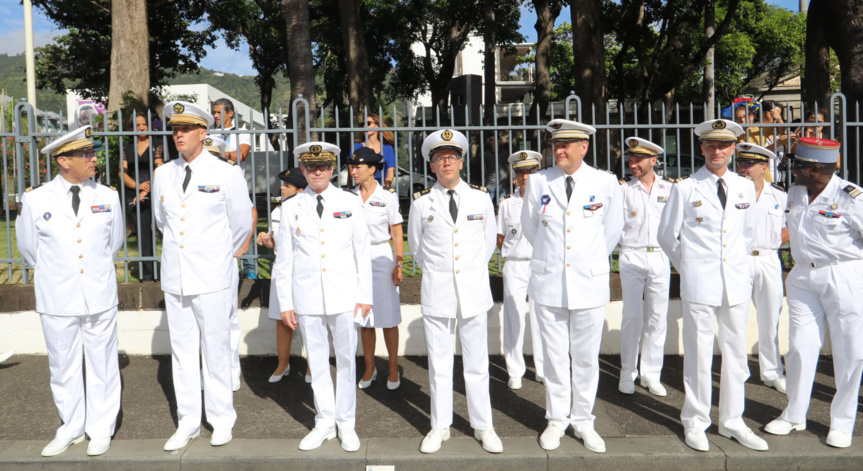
(13, 79)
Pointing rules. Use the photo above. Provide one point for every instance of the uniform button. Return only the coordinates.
(568, 213)
(456, 272)
(184, 205)
(324, 256)
(456, 258)
(78, 225)
(82, 271)
(568, 247)
(81, 256)
(724, 231)
(322, 229)
(567, 264)
(724, 259)
(322, 242)
(182, 233)
(182, 219)
(456, 230)
(79, 241)
(456, 244)
(181, 246)
(725, 245)
(324, 269)
(569, 230)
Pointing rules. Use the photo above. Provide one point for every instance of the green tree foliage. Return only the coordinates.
(80, 60)
(14, 79)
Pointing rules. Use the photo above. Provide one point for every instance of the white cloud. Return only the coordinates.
(12, 41)
(225, 59)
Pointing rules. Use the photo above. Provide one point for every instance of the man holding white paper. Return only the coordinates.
(323, 247)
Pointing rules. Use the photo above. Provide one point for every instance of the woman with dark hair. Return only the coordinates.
(381, 209)
(382, 143)
(136, 155)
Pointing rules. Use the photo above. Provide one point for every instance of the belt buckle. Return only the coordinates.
(651, 249)
(756, 252)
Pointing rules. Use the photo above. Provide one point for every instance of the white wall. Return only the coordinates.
(146, 332)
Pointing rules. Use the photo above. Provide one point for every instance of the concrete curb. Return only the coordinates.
(635, 453)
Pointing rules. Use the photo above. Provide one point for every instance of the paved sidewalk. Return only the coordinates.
(641, 431)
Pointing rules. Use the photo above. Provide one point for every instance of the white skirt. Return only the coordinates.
(385, 295)
(275, 312)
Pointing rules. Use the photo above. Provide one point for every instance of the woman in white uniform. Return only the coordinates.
(293, 182)
(385, 223)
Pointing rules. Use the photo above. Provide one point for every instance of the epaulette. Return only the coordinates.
(778, 187)
(348, 189)
(421, 193)
(609, 171)
(391, 190)
(681, 179)
(505, 197)
(477, 187)
(852, 191)
(670, 180)
(226, 160)
(33, 187)
(109, 186)
(289, 197)
(624, 180)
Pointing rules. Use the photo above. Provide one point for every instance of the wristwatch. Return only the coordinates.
(400, 264)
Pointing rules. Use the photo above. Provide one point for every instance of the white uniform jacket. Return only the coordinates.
(73, 255)
(453, 255)
(203, 227)
(324, 264)
(571, 242)
(642, 211)
(707, 246)
(771, 218)
(830, 229)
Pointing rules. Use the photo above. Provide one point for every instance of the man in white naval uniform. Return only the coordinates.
(754, 161)
(68, 231)
(825, 288)
(645, 272)
(516, 273)
(707, 230)
(451, 232)
(325, 263)
(201, 206)
(573, 216)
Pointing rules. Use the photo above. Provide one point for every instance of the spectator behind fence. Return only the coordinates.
(137, 178)
(237, 146)
(745, 113)
(381, 142)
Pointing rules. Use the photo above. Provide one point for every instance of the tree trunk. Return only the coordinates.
(130, 55)
(589, 65)
(266, 84)
(356, 57)
(816, 84)
(709, 69)
(546, 14)
(301, 72)
(489, 63)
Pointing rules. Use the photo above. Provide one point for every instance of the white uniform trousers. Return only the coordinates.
(516, 275)
(97, 334)
(767, 298)
(698, 335)
(570, 345)
(644, 280)
(819, 299)
(200, 324)
(236, 330)
(440, 342)
(332, 407)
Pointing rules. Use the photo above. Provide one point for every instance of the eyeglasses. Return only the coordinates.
(85, 155)
(747, 163)
(796, 164)
(370, 122)
(446, 158)
(321, 168)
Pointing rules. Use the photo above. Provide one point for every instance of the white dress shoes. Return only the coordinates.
(626, 387)
(433, 440)
(5, 356)
(540, 379)
(308, 379)
(592, 440)
(392, 386)
(839, 439)
(59, 445)
(654, 387)
(550, 438)
(350, 440)
(745, 437)
(696, 439)
(179, 440)
(276, 378)
(783, 427)
(221, 436)
(514, 383)
(489, 439)
(98, 446)
(365, 384)
(777, 384)
(317, 437)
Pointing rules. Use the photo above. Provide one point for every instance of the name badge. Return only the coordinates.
(741, 205)
(377, 204)
(342, 215)
(661, 199)
(475, 217)
(102, 208)
(208, 188)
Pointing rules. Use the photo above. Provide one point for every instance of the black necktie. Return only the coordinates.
(76, 200)
(320, 206)
(453, 208)
(720, 191)
(188, 177)
(569, 185)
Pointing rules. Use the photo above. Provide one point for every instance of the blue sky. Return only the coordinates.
(219, 57)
